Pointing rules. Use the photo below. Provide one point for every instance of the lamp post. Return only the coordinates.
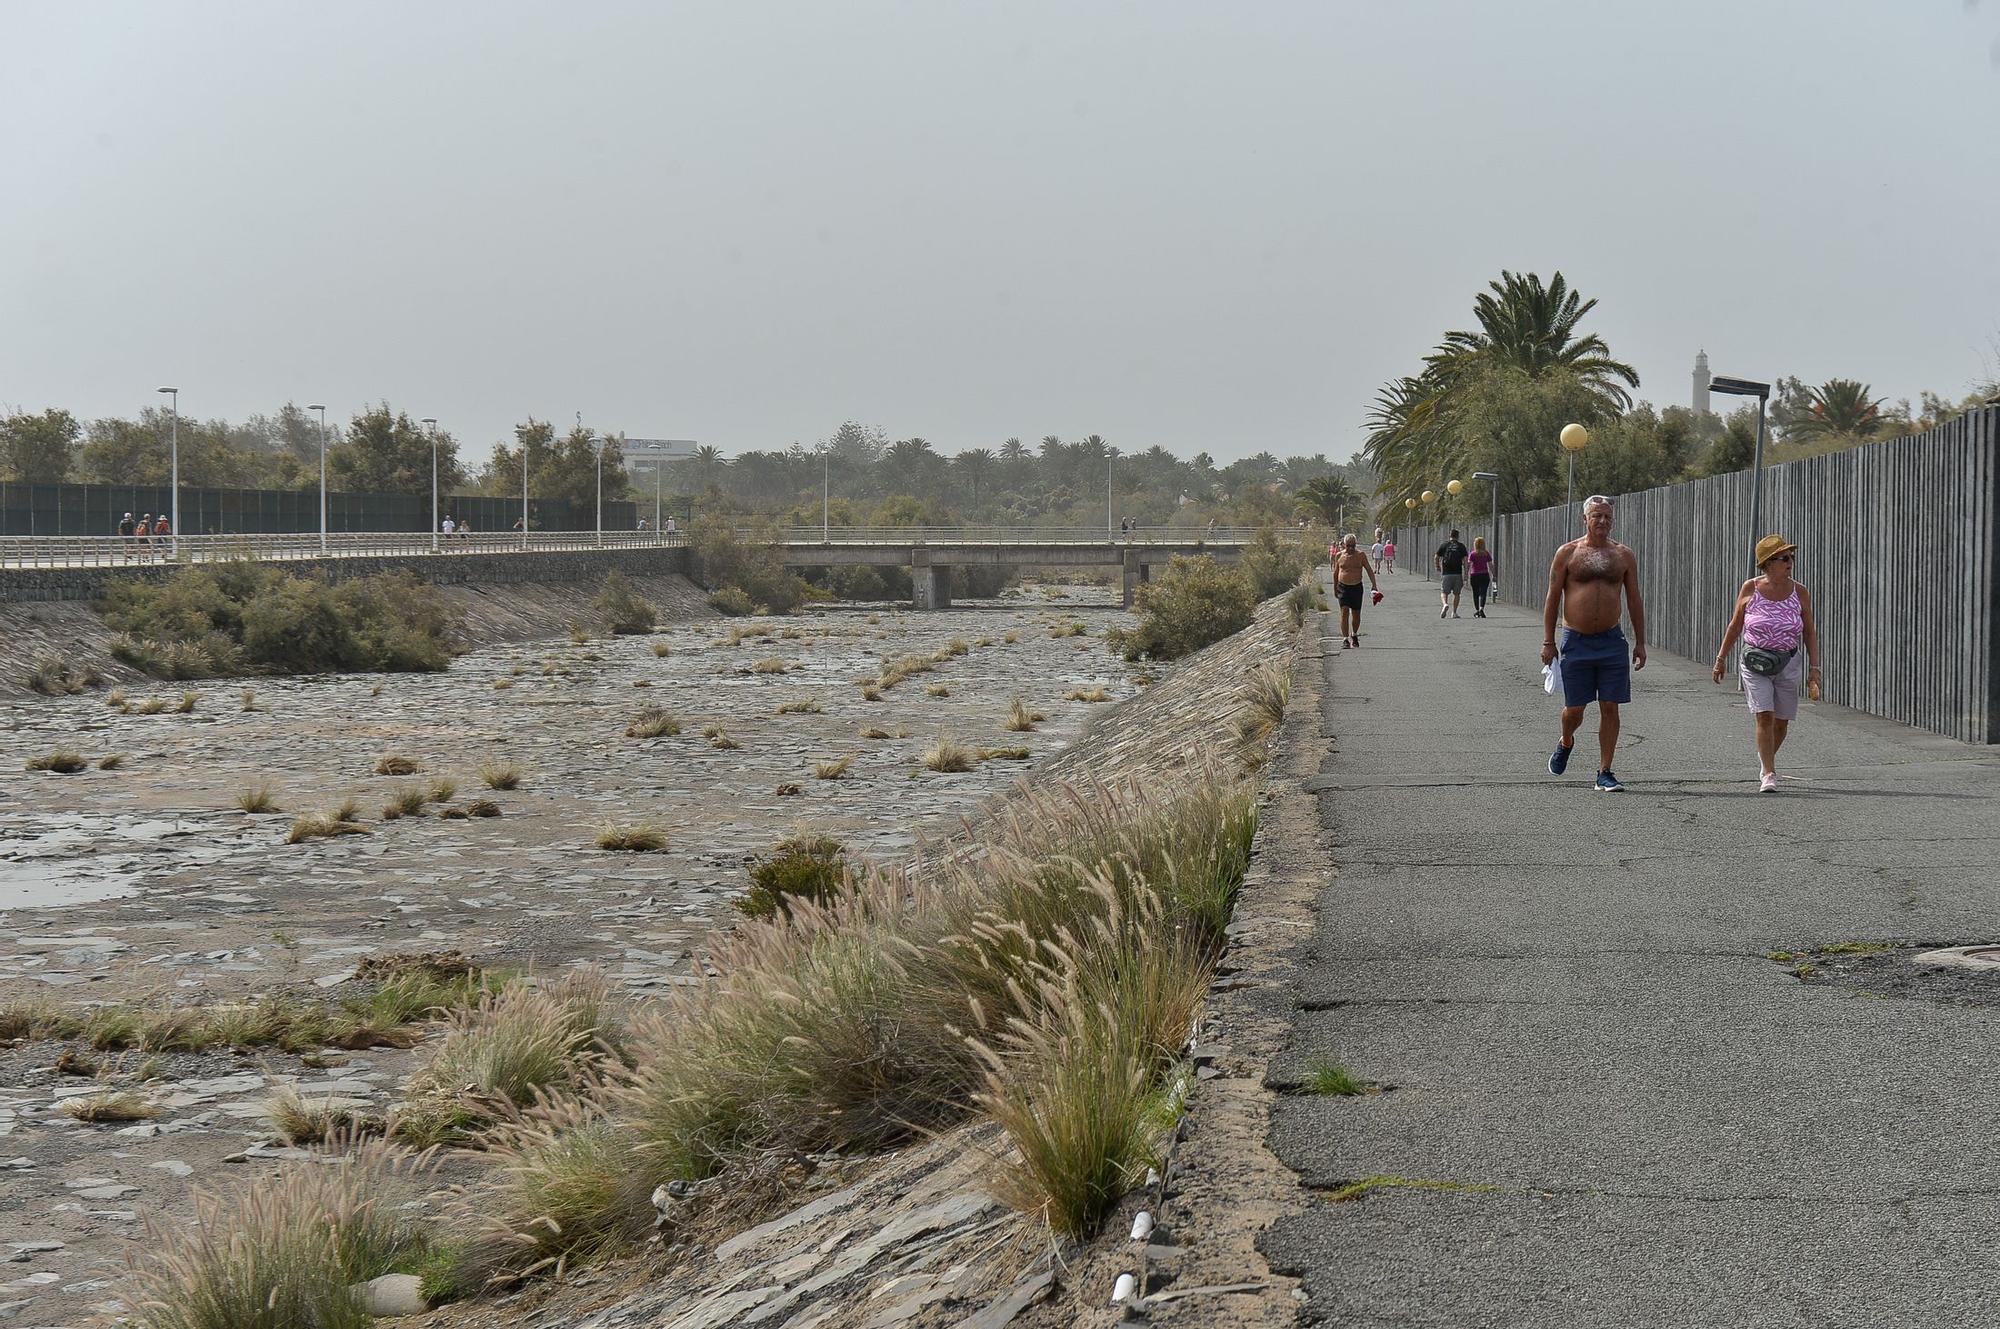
(825, 497)
(1574, 439)
(656, 496)
(174, 454)
(432, 422)
(1109, 524)
(524, 486)
(322, 474)
(1745, 387)
(1493, 519)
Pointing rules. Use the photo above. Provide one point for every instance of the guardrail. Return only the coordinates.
(60, 551)
(63, 551)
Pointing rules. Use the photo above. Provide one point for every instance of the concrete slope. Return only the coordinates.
(1609, 1107)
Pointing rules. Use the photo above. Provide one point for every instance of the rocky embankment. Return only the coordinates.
(917, 1238)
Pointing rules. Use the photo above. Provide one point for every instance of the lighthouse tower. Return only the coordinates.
(1700, 402)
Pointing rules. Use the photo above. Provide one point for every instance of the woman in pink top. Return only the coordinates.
(1480, 564)
(1388, 555)
(1775, 616)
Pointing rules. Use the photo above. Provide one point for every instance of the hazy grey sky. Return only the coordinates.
(1213, 225)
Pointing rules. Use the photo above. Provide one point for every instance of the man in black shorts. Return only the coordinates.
(1348, 567)
(1450, 563)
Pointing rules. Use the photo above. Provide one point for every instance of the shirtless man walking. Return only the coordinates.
(1349, 565)
(1587, 582)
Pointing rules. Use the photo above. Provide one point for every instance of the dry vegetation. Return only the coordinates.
(948, 754)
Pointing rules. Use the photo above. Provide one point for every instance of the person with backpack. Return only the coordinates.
(1450, 563)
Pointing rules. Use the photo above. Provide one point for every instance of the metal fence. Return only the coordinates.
(1897, 542)
(27, 509)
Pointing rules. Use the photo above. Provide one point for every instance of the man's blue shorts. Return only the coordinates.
(1596, 666)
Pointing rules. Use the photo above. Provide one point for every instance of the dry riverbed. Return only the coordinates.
(145, 882)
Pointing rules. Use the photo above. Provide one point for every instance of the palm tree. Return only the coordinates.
(705, 466)
(975, 464)
(1327, 498)
(1533, 328)
(1839, 406)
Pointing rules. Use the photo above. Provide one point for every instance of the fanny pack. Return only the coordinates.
(1766, 662)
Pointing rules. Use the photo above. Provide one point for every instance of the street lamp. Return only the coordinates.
(432, 422)
(1109, 525)
(1745, 387)
(322, 474)
(174, 452)
(1574, 439)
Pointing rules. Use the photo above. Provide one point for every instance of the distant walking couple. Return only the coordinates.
(1595, 580)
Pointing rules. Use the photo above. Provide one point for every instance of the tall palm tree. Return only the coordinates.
(705, 467)
(975, 464)
(1839, 406)
(1327, 498)
(1533, 328)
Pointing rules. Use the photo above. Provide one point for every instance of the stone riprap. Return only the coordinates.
(916, 1238)
(146, 883)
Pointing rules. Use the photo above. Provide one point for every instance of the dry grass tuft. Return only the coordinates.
(662, 649)
(1011, 636)
(187, 703)
(771, 665)
(636, 839)
(391, 763)
(116, 699)
(110, 1107)
(299, 1121)
(250, 701)
(257, 798)
(869, 692)
(1087, 694)
(724, 742)
(1021, 720)
(441, 790)
(1003, 754)
(810, 706)
(111, 761)
(482, 807)
(937, 690)
(948, 754)
(874, 733)
(502, 684)
(1265, 695)
(322, 825)
(832, 770)
(500, 775)
(62, 761)
(653, 722)
(150, 706)
(405, 802)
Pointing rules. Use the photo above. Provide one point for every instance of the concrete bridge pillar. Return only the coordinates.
(930, 584)
(1137, 574)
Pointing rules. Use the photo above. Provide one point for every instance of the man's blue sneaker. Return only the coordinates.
(1607, 783)
(1559, 760)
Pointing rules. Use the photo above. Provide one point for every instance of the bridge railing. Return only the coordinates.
(1008, 535)
(59, 551)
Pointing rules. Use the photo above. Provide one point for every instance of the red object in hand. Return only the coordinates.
(1377, 599)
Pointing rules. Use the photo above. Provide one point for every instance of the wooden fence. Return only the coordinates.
(1896, 540)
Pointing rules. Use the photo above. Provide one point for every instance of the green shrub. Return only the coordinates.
(622, 608)
(755, 567)
(809, 867)
(732, 602)
(1195, 602)
(243, 617)
(1274, 564)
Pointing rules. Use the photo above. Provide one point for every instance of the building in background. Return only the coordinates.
(1700, 402)
(643, 454)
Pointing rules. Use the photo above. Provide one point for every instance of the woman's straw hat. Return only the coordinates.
(1771, 546)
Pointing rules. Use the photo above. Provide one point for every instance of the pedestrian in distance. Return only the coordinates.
(1350, 565)
(1450, 563)
(1592, 582)
(1774, 614)
(145, 532)
(1389, 557)
(1479, 569)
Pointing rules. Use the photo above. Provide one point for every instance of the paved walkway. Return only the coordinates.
(1608, 1106)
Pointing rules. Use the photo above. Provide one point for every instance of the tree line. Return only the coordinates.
(1493, 398)
(873, 479)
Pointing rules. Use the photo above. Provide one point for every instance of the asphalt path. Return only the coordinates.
(1599, 1101)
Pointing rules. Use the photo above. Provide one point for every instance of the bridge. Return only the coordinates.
(930, 552)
